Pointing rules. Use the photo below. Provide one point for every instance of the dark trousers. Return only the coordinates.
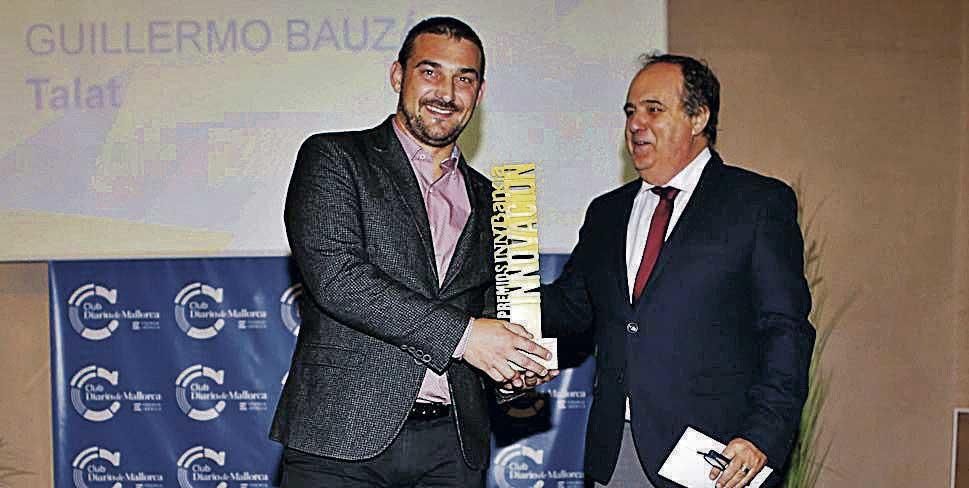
(426, 454)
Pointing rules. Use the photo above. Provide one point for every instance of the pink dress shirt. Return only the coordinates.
(448, 208)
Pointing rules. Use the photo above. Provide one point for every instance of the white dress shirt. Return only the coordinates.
(645, 204)
(643, 207)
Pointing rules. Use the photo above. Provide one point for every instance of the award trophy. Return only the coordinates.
(514, 222)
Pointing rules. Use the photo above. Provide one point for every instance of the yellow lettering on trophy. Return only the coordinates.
(514, 224)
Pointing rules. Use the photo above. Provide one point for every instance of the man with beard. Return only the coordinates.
(390, 229)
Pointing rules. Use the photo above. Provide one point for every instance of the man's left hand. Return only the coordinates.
(745, 462)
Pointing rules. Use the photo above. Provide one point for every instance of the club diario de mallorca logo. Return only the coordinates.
(202, 394)
(289, 308)
(519, 466)
(201, 312)
(84, 390)
(194, 313)
(86, 306)
(96, 395)
(189, 390)
(201, 466)
(95, 313)
(191, 469)
(97, 467)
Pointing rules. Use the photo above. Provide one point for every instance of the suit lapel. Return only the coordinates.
(390, 157)
(699, 202)
(618, 245)
(468, 237)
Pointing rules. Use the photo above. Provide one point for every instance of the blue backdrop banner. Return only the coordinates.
(165, 373)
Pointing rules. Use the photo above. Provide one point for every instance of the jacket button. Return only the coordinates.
(632, 327)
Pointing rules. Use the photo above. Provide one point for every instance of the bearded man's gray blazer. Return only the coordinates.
(376, 317)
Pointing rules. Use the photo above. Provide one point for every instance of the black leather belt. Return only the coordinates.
(428, 411)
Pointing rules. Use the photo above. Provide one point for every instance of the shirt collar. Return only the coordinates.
(416, 154)
(688, 177)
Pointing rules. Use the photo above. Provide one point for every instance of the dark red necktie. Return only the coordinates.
(657, 234)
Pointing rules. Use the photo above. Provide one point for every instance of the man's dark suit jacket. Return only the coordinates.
(376, 317)
(720, 338)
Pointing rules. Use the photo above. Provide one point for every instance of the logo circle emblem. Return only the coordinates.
(198, 455)
(90, 299)
(84, 382)
(289, 308)
(516, 463)
(192, 312)
(95, 457)
(194, 381)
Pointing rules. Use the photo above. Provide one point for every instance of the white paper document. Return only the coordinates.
(688, 468)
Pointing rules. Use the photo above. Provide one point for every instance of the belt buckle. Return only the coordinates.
(428, 411)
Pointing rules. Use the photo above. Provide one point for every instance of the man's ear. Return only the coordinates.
(481, 93)
(396, 76)
(699, 121)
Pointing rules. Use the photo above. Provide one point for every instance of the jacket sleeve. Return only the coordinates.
(781, 301)
(327, 239)
(566, 305)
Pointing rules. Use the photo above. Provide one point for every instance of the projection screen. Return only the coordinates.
(136, 129)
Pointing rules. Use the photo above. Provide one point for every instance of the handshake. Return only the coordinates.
(502, 350)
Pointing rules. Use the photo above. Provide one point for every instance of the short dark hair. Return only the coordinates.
(444, 26)
(700, 88)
